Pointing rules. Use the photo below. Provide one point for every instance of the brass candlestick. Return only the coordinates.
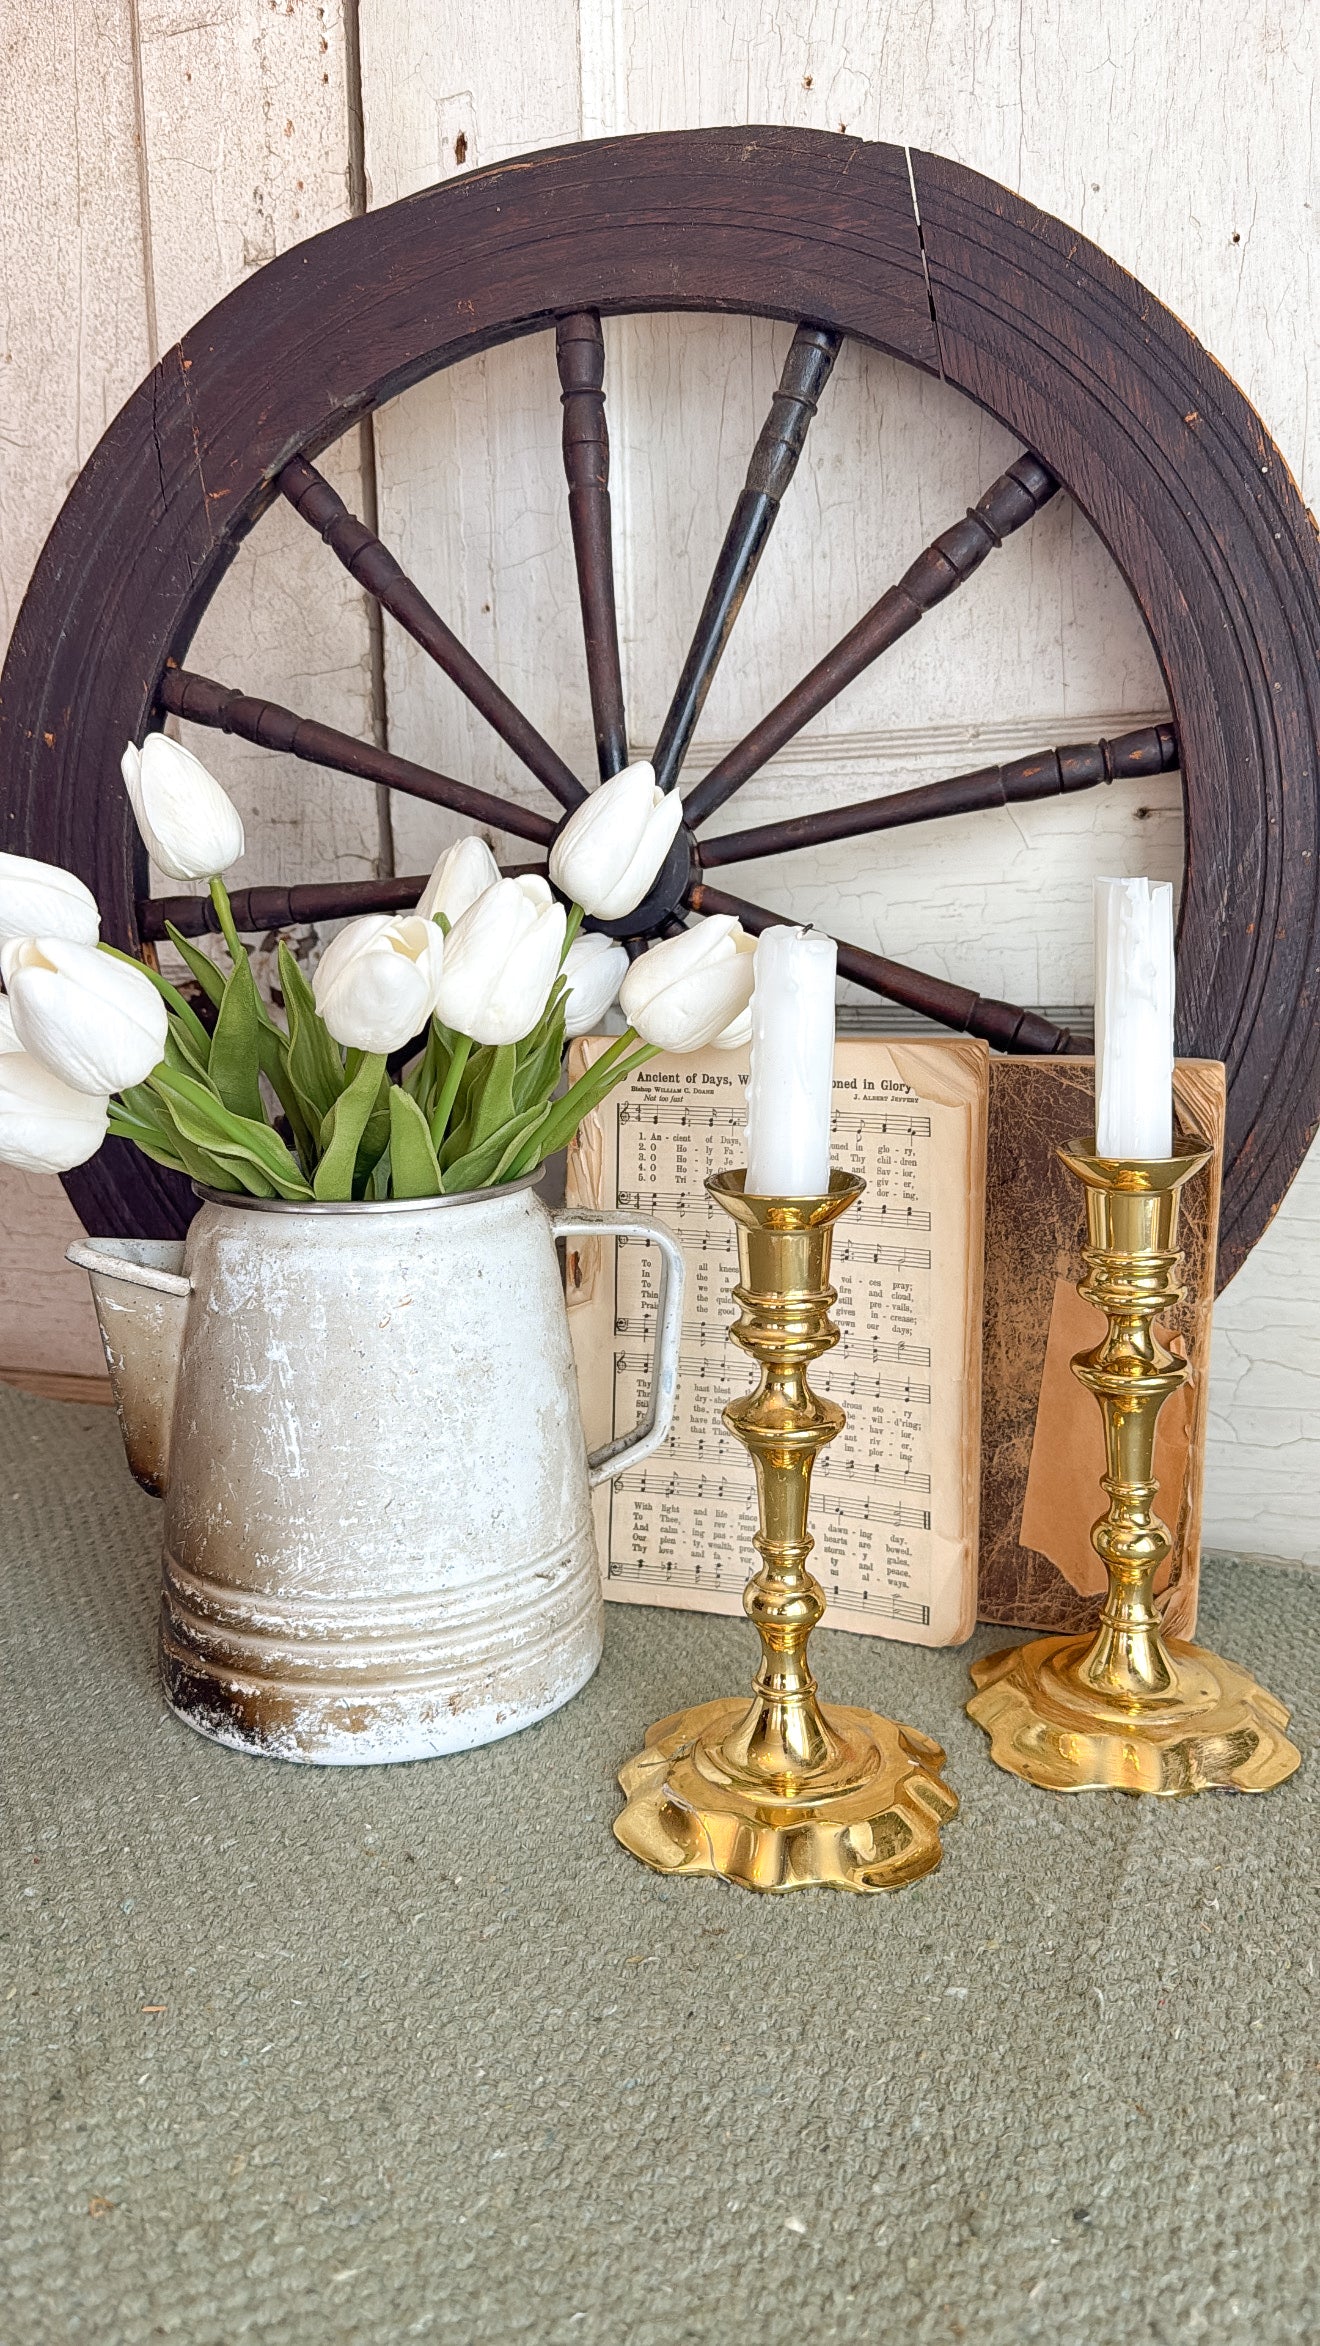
(1129, 1708)
(785, 1792)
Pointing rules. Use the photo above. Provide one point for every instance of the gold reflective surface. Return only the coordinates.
(1128, 1709)
(784, 1792)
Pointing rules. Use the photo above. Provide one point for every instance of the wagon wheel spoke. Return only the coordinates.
(774, 460)
(580, 357)
(375, 568)
(271, 727)
(1048, 773)
(257, 910)
(937, 572)
(1002, 1024)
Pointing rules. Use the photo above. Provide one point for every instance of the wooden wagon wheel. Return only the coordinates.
(1108, 394)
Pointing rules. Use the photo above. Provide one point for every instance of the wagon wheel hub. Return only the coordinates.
(664, 901)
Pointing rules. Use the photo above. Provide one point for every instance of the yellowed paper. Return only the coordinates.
(894, 1509)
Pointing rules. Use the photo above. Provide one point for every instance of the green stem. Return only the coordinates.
(571, 928)
(225, 915)
(613, 1067)
(449, 1090)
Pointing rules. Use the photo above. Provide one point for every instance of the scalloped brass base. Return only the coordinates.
(1215, 1730)
(870, 1821)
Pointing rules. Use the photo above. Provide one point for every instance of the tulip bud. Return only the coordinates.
(501, 959)
(594, 968)
(190, 828)
(692, 990)
(43, 900)
(613, 844)
(463, 874)
(96, 1022)
(375, 983)
(46, 1126)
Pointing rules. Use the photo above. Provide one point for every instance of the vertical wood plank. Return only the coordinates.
(470, 476)
(246, 122)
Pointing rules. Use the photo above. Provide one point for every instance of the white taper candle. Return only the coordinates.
(1133, 1018)
(790, 1096)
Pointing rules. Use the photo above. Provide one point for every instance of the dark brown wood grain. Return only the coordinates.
(376, 569)
(272, 727)
(939, 570)
(806, 370)
(1001, 1024)
(580, 357)
(258, 910)
(1047, 773)
(1113, 396)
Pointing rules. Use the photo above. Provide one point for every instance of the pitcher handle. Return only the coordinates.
(595, 1222)
(95, 1255)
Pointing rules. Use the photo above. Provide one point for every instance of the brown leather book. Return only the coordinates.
(1042, 1448)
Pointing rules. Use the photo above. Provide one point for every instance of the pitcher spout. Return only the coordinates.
(141, 1299)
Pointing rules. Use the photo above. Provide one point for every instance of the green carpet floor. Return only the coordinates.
(299, 2057)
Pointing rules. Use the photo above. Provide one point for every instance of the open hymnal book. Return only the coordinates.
(894, 1498)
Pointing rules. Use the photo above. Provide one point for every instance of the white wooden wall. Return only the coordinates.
(155, 152)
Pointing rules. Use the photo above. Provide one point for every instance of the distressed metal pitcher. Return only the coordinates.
(364, 1423)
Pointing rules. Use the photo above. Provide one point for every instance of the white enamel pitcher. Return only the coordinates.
(364, 1422)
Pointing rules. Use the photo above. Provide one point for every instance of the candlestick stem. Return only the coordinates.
(1127, 1707)
(786, 1791)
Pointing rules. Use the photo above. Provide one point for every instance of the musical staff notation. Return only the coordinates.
(869, 1215)
(842, 1382)
(661, 1482)
(893, 1258)
(645, 1572)
(679, 1526)
(694, 1116)
(876, 1348)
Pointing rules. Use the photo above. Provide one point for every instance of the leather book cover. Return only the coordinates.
(1042, 1445)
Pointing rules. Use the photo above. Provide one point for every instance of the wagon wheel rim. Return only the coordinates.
(1107, 393)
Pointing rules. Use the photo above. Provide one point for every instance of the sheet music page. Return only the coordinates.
(894, 1498)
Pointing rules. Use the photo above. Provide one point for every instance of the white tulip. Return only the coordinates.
(190, 828)
(375, 984)
(96, 1022)
(595, 968)
(43, 900)
(8, 1038)
(463, 874)
(692, 990)
(46, 1126)
(612, 846)
(737, 1035)
(501, 959)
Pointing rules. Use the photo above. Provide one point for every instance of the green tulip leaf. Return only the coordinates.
(207, 976)
(249, 1148)
(489, 1105)
(541, 1055)
(180, 1052)
(415, 1169)
(343, 1129)
(623, 1056)
(483, 1165)
(150, 1126)
(316, 1070)
(234, 1065)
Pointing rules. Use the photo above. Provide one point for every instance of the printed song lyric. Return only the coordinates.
(894, 1497)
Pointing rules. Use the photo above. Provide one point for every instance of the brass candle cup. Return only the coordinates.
(1129, 1709)
(785, 1792)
